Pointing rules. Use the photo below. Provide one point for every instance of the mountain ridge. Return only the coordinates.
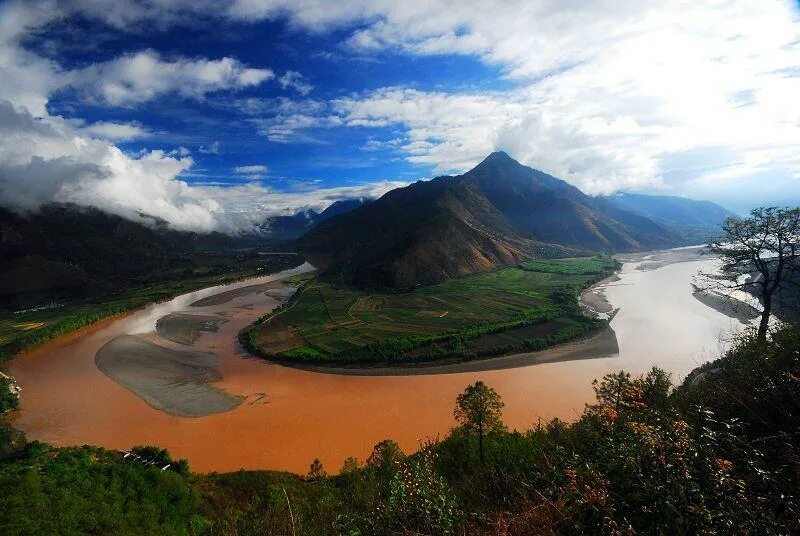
(495, 214)
(696, 220)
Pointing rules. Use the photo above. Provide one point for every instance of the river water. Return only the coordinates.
(290, 416)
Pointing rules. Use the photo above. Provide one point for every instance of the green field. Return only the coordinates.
(483, 314)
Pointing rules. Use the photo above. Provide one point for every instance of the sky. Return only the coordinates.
(213, 115)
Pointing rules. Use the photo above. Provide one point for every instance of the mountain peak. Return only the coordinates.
(496, 161)
(499, 157)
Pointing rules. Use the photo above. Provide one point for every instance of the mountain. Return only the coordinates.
(63, 252)
(288, 228)
(496, 214)
(695, 220)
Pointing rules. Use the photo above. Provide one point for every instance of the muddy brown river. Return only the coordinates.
(275, 417)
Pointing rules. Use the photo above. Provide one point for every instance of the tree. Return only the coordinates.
(656, 388)
(478, 409)
(315, 471)
(759, 254)
(350, 465)
(384, 455)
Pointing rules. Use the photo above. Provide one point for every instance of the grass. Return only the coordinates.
(583, 266)
(483, 314)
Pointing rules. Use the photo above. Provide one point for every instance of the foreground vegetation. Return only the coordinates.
(526, 307)
(716, 455)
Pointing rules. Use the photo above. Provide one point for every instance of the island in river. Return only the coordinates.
(531, 306)
(288, 416)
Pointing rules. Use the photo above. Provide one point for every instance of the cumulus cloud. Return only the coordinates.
(45, 158)
(629, 94)
(143, 76)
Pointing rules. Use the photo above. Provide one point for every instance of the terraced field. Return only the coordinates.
(482, 314)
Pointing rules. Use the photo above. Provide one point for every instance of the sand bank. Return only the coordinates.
(173, 381)
(730, 307)
(271, 288)
(653, 260)
(185, 328)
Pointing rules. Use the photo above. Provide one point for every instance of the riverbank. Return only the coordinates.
(26, 330)
(161, 358)
(601, 344)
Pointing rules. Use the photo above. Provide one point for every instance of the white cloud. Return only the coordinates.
(250, 203)
(289, 121)
(214, 148)
(252, 172)
(47, 160)
(608, 95)
(111, 131)
(294, 80)
(145, 75)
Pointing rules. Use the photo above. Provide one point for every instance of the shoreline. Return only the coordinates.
(599, 345)
(5, 359)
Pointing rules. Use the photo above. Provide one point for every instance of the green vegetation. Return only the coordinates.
(527, 307)
(478, 410)
(8, 398)
(87, 490)
(716, 455)
(23, 330)
(596, 266)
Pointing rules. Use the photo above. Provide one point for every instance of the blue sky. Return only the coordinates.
(219, 130)
(213, 115)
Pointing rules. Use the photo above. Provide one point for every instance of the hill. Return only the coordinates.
(696, 220)
(496, 214)
(66, 252)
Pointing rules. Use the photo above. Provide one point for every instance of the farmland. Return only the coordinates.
(529, 306)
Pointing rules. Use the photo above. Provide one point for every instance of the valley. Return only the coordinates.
(287, 416)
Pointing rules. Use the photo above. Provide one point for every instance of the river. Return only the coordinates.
(287, 417)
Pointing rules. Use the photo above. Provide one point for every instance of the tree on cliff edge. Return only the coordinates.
(759, 254)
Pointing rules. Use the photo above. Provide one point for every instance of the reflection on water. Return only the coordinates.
(291, 416)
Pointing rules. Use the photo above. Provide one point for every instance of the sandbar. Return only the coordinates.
(169, 380)
(185, 328)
